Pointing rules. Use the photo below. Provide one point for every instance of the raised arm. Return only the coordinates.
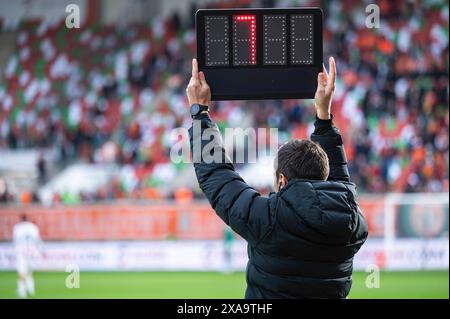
(325, 133)
(236, 203)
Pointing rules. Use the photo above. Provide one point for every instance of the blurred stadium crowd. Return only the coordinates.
(113, 94)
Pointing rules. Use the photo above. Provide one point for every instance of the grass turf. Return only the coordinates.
(430, 284)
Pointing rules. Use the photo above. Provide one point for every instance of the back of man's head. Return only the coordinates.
(302, 159)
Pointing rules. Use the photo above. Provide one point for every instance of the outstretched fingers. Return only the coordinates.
(324, 69)
(321, 81)
(202, 78)
(332, 76)
(195, 69)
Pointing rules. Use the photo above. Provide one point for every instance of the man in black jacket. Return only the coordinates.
(302, 238)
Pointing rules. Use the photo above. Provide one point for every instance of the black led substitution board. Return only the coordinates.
(252, 54)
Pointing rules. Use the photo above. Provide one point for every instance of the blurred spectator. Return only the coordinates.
(42, 169)
(5, 196)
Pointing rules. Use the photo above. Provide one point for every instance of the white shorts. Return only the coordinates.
(22, 264)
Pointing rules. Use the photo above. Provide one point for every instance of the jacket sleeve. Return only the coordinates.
(328, 136)
(236, 203)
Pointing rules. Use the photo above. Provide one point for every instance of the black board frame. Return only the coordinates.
(291, 81)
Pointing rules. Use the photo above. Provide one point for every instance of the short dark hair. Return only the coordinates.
(302, 159)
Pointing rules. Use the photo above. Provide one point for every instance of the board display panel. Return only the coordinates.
(249, 54)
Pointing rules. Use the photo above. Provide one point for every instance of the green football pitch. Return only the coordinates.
(431, 284)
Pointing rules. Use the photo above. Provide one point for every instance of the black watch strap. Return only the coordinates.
(197, 109)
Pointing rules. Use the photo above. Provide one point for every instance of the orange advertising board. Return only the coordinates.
(135, 221)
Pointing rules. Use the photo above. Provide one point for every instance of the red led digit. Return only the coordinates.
(251, 19)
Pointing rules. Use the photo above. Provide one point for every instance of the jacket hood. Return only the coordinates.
(320, 211)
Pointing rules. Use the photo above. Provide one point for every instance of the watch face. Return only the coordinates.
(195, 108)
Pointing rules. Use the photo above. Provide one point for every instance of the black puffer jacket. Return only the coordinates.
(301, 240)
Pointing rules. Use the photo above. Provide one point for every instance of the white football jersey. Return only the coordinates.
(26, 238)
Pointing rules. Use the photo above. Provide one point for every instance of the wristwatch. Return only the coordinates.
(196, 109)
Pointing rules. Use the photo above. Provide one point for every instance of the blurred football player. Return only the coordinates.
(227, 250)
(27, 244)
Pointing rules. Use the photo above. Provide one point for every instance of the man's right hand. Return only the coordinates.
(325, 91)
(198, 91)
